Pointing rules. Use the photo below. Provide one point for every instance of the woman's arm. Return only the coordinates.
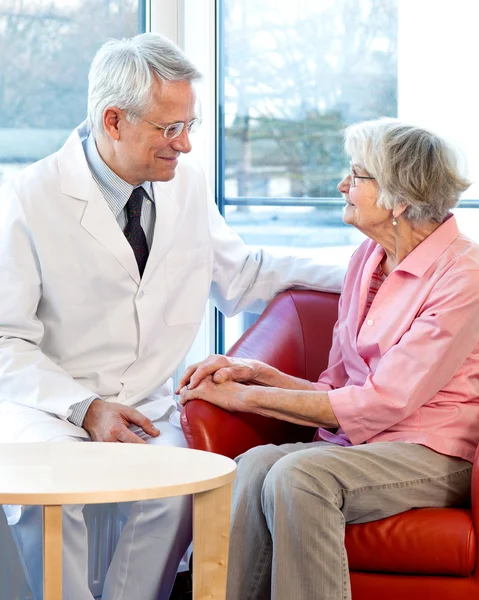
(304, 407)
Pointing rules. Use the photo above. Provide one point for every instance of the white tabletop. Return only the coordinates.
(90, 472)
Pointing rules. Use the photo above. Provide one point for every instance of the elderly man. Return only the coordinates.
(109, 250)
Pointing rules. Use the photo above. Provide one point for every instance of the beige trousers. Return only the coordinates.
(291, 504)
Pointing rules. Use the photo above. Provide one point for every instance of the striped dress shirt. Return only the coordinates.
(116, 192)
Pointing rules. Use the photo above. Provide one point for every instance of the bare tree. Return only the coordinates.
(45, 52)
(294, 78)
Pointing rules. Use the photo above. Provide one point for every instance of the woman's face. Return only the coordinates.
(361, 193)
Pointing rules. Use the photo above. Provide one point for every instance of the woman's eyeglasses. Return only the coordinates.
(353, 176)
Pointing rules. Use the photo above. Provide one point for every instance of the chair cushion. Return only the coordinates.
(421, 541)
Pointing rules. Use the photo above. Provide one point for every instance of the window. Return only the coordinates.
(46, 47)
(292, 76)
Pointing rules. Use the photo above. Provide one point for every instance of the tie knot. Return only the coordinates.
(133, 206)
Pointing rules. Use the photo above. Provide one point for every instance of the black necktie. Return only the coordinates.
(133, 231)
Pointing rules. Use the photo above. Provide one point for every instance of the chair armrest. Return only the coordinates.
(207, 427)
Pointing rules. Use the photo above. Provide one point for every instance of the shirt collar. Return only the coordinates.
(429, 250)
(116, 190)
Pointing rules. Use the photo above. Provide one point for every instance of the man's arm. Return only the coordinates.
(27, 375)
(79, 410)
(247, 280)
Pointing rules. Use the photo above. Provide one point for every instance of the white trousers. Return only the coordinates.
(153, 541)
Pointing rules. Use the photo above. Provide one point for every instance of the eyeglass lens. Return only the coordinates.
(175, 129)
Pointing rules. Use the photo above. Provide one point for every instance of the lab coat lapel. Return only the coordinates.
(100, 222)
(76, 181)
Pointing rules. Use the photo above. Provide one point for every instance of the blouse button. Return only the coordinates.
(369, 322)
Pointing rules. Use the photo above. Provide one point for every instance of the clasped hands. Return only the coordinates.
(218, 379)
(221, 380)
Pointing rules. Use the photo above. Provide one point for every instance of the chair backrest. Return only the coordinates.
(293, 334)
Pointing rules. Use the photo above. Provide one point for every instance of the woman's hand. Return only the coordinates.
(305, 407)
(230, 396)
(221, 369)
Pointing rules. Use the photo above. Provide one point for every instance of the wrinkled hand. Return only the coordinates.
(221, 369)
(109, 422)
(230, 396)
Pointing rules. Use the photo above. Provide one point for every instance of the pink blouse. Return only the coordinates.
(410, 371)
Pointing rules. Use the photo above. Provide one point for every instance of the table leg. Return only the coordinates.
(211, 532)
(52, 553)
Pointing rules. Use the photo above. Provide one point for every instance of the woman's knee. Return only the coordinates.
(306, 471)
(255, 464)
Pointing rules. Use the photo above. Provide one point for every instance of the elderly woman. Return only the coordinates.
(397, 409)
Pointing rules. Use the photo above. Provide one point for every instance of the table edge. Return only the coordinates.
(104, 497)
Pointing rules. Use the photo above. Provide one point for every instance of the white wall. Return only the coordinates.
(438, 72)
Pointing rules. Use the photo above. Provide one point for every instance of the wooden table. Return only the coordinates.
(52, 474)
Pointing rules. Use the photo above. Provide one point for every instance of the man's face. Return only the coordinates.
(142, 153)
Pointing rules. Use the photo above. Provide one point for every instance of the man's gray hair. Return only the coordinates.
(123, 71)
(411, 165)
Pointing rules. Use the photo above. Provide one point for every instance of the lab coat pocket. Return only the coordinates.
(188, 277)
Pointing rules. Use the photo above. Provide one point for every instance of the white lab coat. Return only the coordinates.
(76, 319)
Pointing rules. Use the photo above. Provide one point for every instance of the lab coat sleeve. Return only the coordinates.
(247, 280)
(27, 375)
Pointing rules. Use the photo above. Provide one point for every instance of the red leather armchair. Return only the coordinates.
(420, 554)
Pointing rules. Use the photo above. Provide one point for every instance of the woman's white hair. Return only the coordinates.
(412, 166)
(123, 71)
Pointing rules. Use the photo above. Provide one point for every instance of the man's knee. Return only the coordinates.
(32, 516)
(174, 510)
(179, 508)
(17, 513)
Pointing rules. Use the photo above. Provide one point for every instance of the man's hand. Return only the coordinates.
(109, 422)
(221, 369)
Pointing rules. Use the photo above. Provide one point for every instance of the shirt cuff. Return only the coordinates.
(348, 406)
(79, 411)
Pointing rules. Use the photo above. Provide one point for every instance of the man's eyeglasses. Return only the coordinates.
(353, 176)
(175, 129)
